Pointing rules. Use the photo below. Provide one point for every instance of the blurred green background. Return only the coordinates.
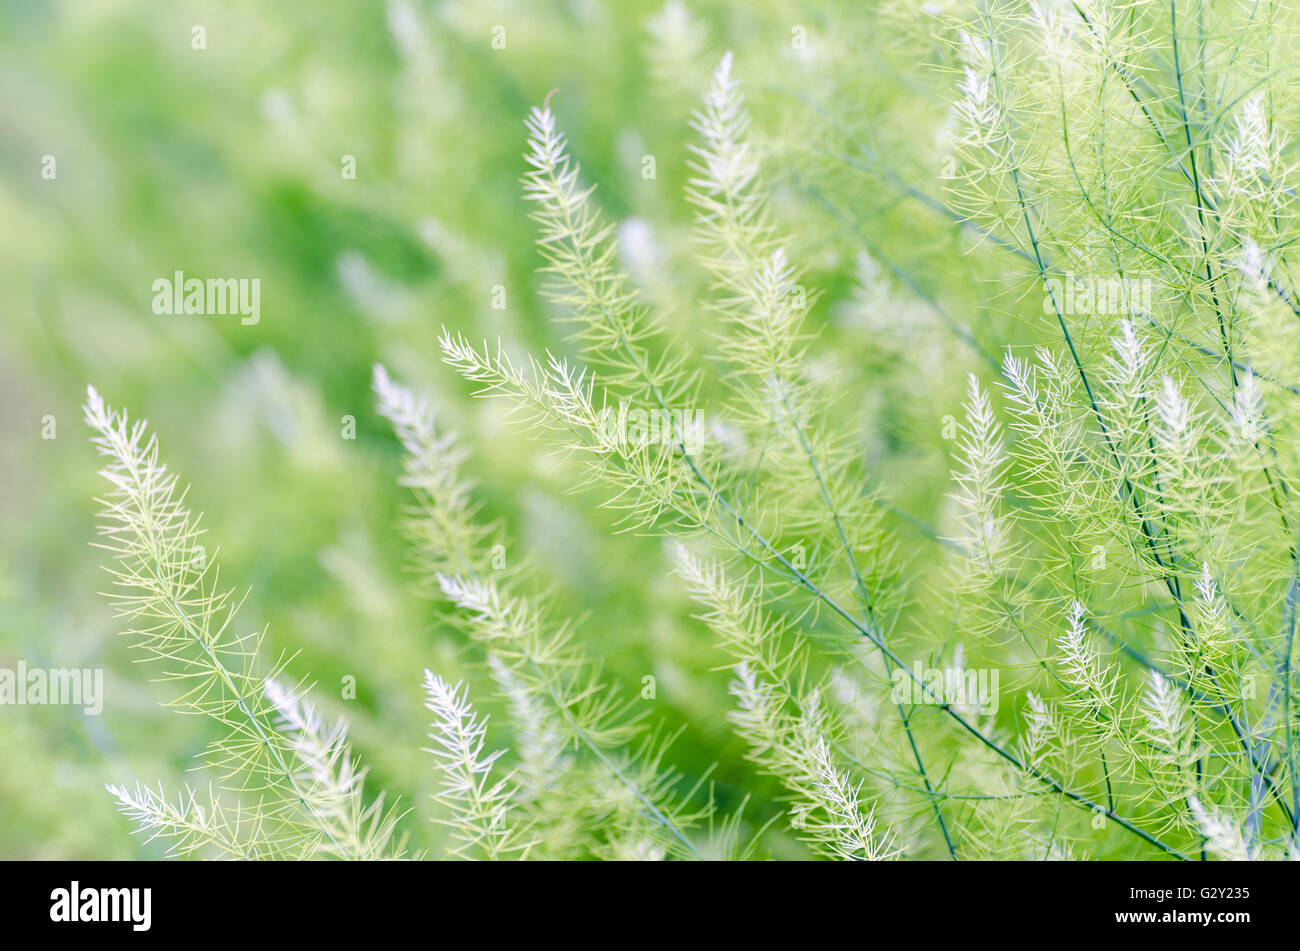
(227, 161)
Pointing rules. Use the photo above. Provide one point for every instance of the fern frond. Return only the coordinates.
(166, 586)
(779, 715)
(549, 665)
(615, 328)
(191, 827)
(985, 535)
(555, 693)
(334, 788)
(853, 830)
(440, 525)
(481, 817)
(826, 809)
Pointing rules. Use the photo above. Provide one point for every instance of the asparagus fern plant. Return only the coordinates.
(1119, 545)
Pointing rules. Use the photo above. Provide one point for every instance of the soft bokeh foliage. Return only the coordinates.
(916, 176)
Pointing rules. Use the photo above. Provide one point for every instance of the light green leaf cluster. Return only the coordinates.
(589, 779)
(298, 792)
(1117, 541)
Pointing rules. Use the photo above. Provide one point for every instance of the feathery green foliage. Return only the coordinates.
(953, 389)
(304, 795)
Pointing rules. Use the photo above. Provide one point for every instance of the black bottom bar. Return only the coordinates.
(334, 901)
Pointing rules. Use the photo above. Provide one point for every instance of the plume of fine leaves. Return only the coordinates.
(481, 820)
(670, 489)
(555, 694)
(308, 797)
(781, 717)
